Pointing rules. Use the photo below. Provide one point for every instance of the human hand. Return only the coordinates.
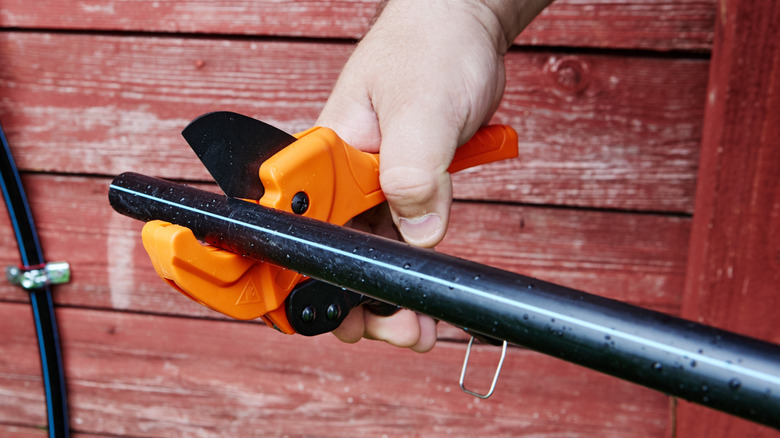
(421, 83)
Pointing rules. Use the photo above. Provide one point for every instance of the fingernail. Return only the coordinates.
(420, 228)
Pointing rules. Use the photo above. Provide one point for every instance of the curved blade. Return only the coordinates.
(232, 147)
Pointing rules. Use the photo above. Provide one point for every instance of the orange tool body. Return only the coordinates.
(337, 182)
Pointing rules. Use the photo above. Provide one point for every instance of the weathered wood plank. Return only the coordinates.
(22, 432)
(596, 130)
(734, 271)
(15, 431)
(601, 131)
(645, 24)
(639, 258)
(139, 375)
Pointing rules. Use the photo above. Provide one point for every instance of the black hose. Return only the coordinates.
(40, 299)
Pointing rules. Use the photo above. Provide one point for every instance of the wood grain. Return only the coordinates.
(632, 24)
(596, 130)
(92, 88)
(734, 270)
(140, 375)
(637, 258)
(22, 432)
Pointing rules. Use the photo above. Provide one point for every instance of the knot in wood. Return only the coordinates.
(570, 73)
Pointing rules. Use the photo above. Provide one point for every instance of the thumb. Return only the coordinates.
(414, 156)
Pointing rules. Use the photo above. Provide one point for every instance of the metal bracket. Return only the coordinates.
(495, 377)
(35, 278)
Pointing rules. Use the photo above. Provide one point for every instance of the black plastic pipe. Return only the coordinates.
(31, 255)
(706, 365)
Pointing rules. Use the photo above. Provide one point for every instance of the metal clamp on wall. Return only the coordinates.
(37, 277)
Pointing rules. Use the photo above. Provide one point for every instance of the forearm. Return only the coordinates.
(502, 19)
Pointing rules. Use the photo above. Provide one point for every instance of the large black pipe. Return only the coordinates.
(712, 367)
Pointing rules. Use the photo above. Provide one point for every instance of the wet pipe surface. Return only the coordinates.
(735, 374)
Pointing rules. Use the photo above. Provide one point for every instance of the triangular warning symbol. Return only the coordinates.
(250, 294)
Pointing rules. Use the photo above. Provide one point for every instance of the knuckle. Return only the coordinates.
(408, 186)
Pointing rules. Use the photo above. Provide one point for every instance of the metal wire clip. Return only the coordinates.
(30, 278)
(495, 377)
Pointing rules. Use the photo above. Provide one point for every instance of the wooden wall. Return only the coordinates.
(608, 99)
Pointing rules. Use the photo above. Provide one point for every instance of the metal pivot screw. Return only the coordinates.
(334, 311)
(300, 203)
(308, 314)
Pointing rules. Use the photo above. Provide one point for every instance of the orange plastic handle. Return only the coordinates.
(339, 181)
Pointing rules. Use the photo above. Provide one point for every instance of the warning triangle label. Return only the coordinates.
(250, 295)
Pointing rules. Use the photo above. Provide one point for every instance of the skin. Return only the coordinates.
(423, 80)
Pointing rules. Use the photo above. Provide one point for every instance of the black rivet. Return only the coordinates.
(300, 203)
(334, 312)
(308, 314)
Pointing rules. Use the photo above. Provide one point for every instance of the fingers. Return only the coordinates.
(419, 334)
(428, 334)
(419, 84)
(418, 140)
(349, 113)
(417, 149)
(417, 146)
(404, 329)
(352, 328)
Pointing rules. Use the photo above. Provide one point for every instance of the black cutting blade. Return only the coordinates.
(232, 147)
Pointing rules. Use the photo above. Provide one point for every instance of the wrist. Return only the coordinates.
(505, 19)
(502, 20)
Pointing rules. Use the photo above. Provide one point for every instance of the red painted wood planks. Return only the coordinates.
(615, 130)
(733, 275)
(638, 258)
(22, 432)
(643, 24)
(140, 375)
(596, 130)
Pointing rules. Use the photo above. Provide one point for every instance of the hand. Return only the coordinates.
(423, 80)
(404, 328)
